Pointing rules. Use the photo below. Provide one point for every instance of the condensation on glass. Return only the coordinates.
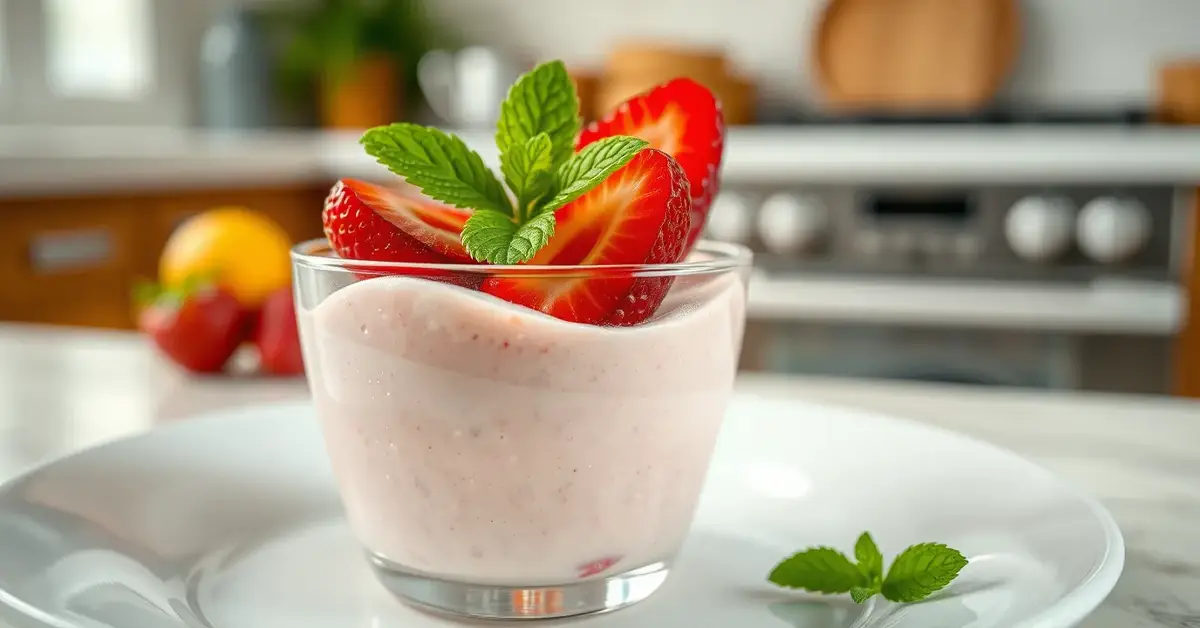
(100, 50)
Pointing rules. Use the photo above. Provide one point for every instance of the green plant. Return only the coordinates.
(322, 39)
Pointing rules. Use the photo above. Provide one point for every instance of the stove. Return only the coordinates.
(1016, 237)
(1020, 231)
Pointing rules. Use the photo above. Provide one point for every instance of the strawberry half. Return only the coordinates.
(683, 119)
(639, 215)
(364, 221)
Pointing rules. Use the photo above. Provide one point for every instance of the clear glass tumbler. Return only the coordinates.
(498, 462)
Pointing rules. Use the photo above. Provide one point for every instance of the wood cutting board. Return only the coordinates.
(915, 56)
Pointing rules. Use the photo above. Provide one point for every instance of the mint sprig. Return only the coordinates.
(539, 123)
(541, 101)
(592, 165)
(921, 571)
(528, 171)
(439, 164)
(493, 237)
(917, 573)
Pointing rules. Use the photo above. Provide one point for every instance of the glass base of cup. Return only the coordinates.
(491, 601)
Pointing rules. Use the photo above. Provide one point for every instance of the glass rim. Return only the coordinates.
(720, 257)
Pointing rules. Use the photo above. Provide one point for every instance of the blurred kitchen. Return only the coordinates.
(997, 192)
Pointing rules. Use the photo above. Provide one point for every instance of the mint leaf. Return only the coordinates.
(439, 164)
(593, 165)
(862, 594)
(870, 559)
(820, 570)
(542, 101)
(917, 572)
(491, 236)
(920, 571)
(528, 171)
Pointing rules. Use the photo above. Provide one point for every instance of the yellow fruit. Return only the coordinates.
(244, 251)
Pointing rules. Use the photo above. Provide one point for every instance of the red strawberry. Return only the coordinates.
(364, 221)
(639, 215)
(683, 119)
(278, 338)
(597, 566)
(197, 326)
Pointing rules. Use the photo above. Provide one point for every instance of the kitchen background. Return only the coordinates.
(997, 192)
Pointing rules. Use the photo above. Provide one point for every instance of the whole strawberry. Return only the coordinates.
(197, 325)
(277, 337)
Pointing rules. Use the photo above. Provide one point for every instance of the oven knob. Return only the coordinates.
(790, 223)
(1113, 229)
(1039, 228)
(729, 218)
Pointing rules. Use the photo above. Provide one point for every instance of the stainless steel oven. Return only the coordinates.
(1066, 246)
(1133, 363)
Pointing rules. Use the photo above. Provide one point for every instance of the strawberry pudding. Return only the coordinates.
(477, 440)
(520, 375)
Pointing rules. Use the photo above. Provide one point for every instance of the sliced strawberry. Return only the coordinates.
(597, 566)
(639, 215)
(364, 221)
(683, 119)
(369, 222)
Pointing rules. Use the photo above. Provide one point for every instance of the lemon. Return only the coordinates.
(242, 250)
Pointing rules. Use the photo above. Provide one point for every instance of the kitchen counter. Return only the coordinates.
(62, 160)
(62, 390)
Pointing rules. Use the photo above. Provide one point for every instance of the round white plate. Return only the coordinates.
(231, 521)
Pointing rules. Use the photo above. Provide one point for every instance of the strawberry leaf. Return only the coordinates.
(145, 293)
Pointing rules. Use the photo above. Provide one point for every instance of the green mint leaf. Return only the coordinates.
(820, 570)
(527, 170)
(439, 164)
(920, 571)
(862, 594)
(542, 101)
(491, 236)
(870, 559)
(593, 165)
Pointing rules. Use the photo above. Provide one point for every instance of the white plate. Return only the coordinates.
(231, 521)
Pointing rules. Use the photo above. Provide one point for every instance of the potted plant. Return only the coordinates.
(360, 56)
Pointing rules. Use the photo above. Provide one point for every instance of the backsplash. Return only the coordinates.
(1083, 52)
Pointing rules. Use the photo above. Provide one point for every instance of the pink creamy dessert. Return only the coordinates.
(476, 440)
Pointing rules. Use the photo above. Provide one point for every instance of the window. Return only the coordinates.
(3, 48)
(99, 50)
(96, 62)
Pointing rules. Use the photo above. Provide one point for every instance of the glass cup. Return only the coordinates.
(497, 462)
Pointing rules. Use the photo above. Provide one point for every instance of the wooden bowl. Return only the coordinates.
(737, 95)
(648, 58)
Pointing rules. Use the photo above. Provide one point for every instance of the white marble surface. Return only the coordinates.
(61, 160)
(64, 390)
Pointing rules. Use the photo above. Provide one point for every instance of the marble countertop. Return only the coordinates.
(63, 390)
(64, 160)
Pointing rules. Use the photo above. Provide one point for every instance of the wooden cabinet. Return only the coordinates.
(75, 260)
(1187, 343)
